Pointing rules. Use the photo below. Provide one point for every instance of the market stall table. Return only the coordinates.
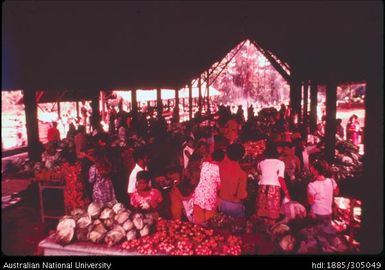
(45, 185)
(49, 247)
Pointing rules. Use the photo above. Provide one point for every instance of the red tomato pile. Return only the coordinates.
(173, 237)
(74, 196)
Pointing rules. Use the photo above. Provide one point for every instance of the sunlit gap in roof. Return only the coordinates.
(246, 77)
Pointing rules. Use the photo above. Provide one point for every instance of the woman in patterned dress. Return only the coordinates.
(206, 193)
(99, 176)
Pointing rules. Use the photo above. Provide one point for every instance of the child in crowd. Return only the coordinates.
(180, 194)
(145, 198)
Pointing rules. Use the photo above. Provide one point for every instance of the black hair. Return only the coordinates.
(145, 175)
(235, 151)
(139, 153)
(102, 136)
(271, 150)
(81, 128)
(174, 169)
(218, 155)
(156, 173)
(202, 143)
(322, 167)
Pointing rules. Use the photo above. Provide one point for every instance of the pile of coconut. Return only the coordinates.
(110, 223)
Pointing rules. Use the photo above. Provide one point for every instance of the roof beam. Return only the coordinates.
(273, 62)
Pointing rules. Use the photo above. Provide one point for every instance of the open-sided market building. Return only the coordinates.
(167, 56)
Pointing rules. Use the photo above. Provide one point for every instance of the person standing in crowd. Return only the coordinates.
(99, 176)
(320, 192)
(53, 134)
(188, 150)
(141, 162)
(145, 198)
(240, 117)
(80, 141)
(233, 188)
(71, 132)
(353, 129)
(51, 156)
(122, 131)
(180, 195)
(112, 114)
(292, 162)
(271, 182)
(231, 130)
(84, 110)
(340, 130)
(192, 171)
(206, 192)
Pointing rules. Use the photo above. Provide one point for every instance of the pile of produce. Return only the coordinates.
(254, 148)
(174, 237)
(56, 174)
(74, 192)
(348, 162)
(18, 167)
(110, 224)
(321, 238)
(227, 223)
(346, 213)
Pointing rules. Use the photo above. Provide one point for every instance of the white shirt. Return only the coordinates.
(132, 179)
(322, 191)
(271, 169)
(185, 157)
(306, 153)
(122, 133)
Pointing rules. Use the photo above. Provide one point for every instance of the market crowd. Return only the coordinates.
(193, 170)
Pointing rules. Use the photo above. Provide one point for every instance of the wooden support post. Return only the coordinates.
(134, 102)
(103, 105)
(313, 106)
(77, 110)
(208, 93)
(58, 109)
(95, 116)
(330, 130)
(159, 104)
(190, 100)
(305, 104)
(175, 111)
(176, 104)
(200, 95)
(34, 146)
(371, 185)
(295, 97)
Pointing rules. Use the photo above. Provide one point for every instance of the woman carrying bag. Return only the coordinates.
(321, 191)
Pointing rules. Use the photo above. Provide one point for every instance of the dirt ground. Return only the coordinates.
(21, 228)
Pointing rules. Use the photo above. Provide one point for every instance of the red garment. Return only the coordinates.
(53, 134)
(150, 200)
(233, 181)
